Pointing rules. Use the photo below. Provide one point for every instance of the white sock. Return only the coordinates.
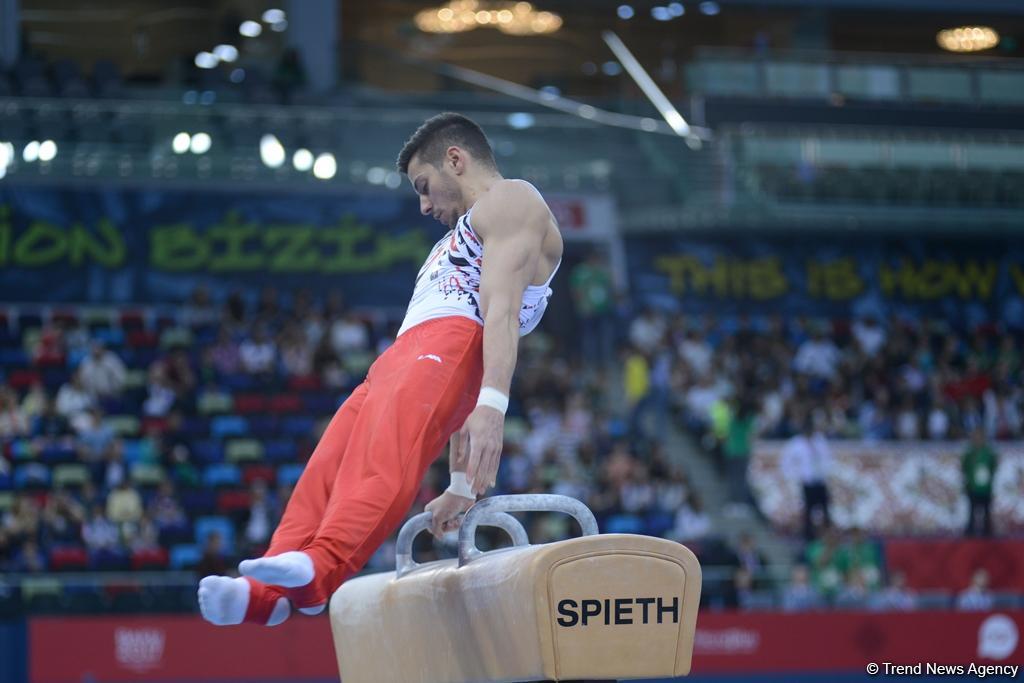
(223, 602)
(313, 611)
(290, 570)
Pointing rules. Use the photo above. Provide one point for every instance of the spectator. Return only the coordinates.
(349, 335)
(143, 536)
(896, 597)
(103, 373)
(224, 354)
(692, 523)
(696, 353)
(99, 533)
(62, 519)
(855, 593)
(259, 354)
(800, 595)
(829, 561)
(22, 521)
(591, 285)
(979, 464)
(647, 331)
(737, 449)
(865, 557)
(166, 512)
(35, 402)
(13, 421)
(161, 396)
(976, 597)
(749, 556)
(212, 561)
(870, 335)
(30, 558)
(807, 459)
(636, 377)
(263, 514)
(74, 402)
(124, 505)
(296, 353)
(817, 357)
(199, 311)
(95, 438)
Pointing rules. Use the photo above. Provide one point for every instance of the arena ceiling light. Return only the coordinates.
(710, 8)
(302, 160)
(201, 143)
(325, 166)
(47, 150)
(513, 18)
(31, 152)
(226, 53)
(273, 16)
(272, 151)
(250, 29)
(968, 39)
(207, 60)
(625, 12)
(181, 142)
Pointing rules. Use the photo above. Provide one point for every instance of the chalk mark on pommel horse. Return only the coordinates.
(597, 607)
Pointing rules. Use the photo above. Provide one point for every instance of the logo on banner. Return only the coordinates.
(139, 648)
(997, 637)
(729, 641)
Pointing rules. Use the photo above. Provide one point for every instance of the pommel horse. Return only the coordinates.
(597, 607)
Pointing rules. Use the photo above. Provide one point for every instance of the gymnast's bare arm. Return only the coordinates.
(511, 221)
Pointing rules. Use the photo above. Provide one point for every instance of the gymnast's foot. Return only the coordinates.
(223, 601)
(290, 570)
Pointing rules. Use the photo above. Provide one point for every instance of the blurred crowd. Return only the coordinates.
(587, 419)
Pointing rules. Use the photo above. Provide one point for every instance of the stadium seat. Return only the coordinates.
(31, 476)
(229, 502)
(222, 525)
(6, 501)
(58, 453)
(222, 474)
(135, 379)
(147, 474)
(264, 427)
(132, 320)
(21, 380)
(66, 558)
(185, 556)
(287, 475)
(124, 425)
(285, 404)
(112, 337)
(215, 403)
(138, 450)
(209, 451)
(282, 450)
(298, 425)
(67, 476)
(142, 339)
(152, 558)
(307, 383)
(176, 336)
(22, 449)
(229, 425)
(246, 404)
(244, 449)
(624, 524)
(198, 501)
(253, 473)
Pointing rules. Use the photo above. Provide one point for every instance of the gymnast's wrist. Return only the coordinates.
(460, 486)
(492, 398)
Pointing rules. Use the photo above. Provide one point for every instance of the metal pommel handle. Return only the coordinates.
(421, 522)
(530, 502)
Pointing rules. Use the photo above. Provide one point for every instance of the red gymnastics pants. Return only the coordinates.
(367, 468)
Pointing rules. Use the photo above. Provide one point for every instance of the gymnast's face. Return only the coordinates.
(440, 186)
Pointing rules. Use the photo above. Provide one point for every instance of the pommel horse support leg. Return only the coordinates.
(604, 607)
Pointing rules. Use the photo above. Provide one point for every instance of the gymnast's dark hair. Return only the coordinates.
(440, 132)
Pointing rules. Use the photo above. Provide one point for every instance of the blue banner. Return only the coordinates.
(963, 281)
(123, 245)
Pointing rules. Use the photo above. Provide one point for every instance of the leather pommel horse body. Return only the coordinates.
(608, 606)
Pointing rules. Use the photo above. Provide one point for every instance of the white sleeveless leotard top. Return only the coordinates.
(449, 283)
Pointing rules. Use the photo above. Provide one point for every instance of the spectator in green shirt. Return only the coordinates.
(737, 447)
(593, 295)
(979, 467)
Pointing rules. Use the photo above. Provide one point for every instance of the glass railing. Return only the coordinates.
(862, 76)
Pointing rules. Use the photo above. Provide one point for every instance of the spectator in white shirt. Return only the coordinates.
(976, 597)
(817, 357)
(103, 373)
(74, 402)
(807, 459)
(259, 354)
(349, 334)
(870, 335)
(647, 330)
(697, 353)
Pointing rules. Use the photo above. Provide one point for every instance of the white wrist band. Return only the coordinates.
(460, 486)
(492, 398)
